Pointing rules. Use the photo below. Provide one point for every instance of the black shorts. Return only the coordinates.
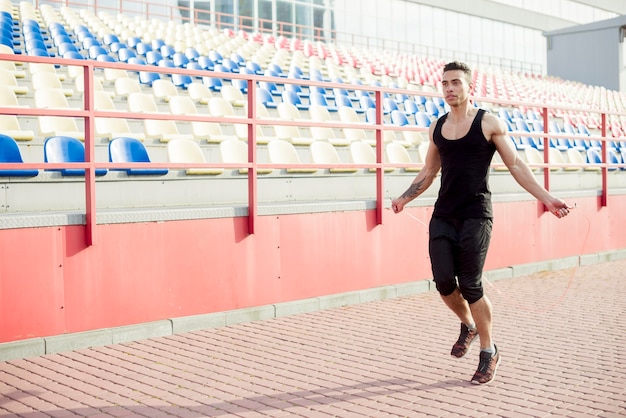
(458, 248)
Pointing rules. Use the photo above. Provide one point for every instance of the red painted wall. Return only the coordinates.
(52, 283)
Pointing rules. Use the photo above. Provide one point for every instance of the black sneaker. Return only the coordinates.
(467, 336)
(487, 367)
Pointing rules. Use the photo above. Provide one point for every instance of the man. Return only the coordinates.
(462, 144)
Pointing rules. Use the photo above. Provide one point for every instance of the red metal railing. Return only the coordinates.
(89, 113)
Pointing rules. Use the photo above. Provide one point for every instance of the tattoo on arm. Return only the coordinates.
(413, 191)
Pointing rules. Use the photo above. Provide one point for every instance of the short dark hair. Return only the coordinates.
(457, 65)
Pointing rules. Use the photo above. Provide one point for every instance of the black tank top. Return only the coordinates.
(465, 162)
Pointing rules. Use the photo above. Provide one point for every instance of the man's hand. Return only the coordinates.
(558, 208)
(397, 205)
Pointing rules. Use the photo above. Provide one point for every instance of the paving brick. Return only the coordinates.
(557, 331)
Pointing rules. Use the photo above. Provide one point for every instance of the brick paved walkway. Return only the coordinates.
(560, 333)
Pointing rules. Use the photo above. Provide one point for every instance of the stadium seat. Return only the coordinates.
(124, 54)
(323, 152)
(290, 96)
(131, 150)
(397, 153)
(422, 119)
(219, 106)
(59, 126)
(316, 98)
(65, 149)
(271, 87)
(556, 156)
(10, 153)
(147, 78)
(199, 93)
(283, 152)
(209, 131)
(363, 153)
(163, 89)
(533, 156)
(182, 80)
(49, 80)
(265, 97)
(142, 102)
(125, 86)
(235, 151)
(206, 63)
(10, 126)
(322, 133)
(576, 157)
(7, 78)
(289, 111)
(153, 57)
(8, 97)
(50, 98)
(213, 83)
(234, 96)
(183, 150)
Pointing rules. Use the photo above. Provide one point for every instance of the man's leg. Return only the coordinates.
(481, 312)
(459, 306)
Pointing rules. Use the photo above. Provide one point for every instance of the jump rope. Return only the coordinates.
(558, 300)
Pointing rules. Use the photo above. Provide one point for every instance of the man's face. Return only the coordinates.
(455, 87)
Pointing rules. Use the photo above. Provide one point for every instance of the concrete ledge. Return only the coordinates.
(296, 307)
(377, 293)
(250, 314)
(80, 340)
(147, 330)
(414, 288)
(21, 349)
(498, 274)
(198, 322)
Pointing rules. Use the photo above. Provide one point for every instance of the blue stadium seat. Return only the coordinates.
(343, 100)
(422, 119)
(109, 38)
(132, 41)
(75, 55)
(213, 83)
(116, 46)
(399, 118)
(265, 96)
(167, 51)
(65, 149)
(157, 44)
(182, 80)
(89, 42)
(147, 77)
(153, 57)
(206, 63)
(192, 54)
(241, 85)
(96, 50)
(142, 48)
(131, 150)
(10, 153)
(271, 87)
(215, 56)
(254, 67)
(180, 60)
(124, 54)
(292, 97)
(317, 98)
(410, 107)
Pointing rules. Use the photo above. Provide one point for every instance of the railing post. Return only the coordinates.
(252, 171)
(90, 171)
(546, 154)
(605, 169)
(380, 159)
